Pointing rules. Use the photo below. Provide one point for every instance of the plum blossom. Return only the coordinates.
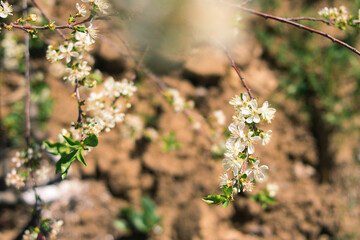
(256, 172)
(220, 117)
(66, 51)
(251, 112)
(251, 140)
(5, 9)
(81, 10)
(224, 179)
(267, 113)
(14, 179)
(265, 137)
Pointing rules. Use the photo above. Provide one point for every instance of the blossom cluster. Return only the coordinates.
(339, 16)
(13, 52)
(52, 226)
(104, 108)
(173, 97)
(244, 134)
(19, 173)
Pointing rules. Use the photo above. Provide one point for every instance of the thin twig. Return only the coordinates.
(80, 111)
(37, 210)
(329, 22)
(66, 26)
(47, 18)
(28, 90)
(237, 71)
(298, 25)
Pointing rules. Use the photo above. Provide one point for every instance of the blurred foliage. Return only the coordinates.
(314, 67)
(145, 221)
(170, 143)
(41, 110)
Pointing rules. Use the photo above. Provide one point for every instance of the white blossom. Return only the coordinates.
(265, 137)
(250, 142)
(14, 179)
(5, 9)
(220, 117)
(224, 179)
(102, 5)
(267, 113)
(256, 172)
(272, 189)
(81, 9)
(68, 52)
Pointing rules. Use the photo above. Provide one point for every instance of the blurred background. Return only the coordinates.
(146, 178)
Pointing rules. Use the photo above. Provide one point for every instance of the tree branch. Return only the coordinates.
(298, 25)
(47, 18)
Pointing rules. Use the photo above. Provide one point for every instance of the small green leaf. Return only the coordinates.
(227, 190)
(80, 157)
(54, 148)
(121, 225)
(91, 141)
(71, 142)
(63, 165)
(226, 203)
(214, 199)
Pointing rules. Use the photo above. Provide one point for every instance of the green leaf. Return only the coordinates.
(63, 165)
(226, 203)
(80, 157)
(214, 199)
(227, 190)
(71, 142)
(91, 141)
(54, 148)
(121, 224)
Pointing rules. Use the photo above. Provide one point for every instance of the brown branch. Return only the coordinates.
(237, 71)
(80, 111)
(298, 25)
(329, 22)
(47, 18)
(27, 85)
(65, 26)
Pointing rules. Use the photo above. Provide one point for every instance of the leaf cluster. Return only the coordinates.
(70, 150)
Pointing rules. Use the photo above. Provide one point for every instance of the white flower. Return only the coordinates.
(267, 113)
(67, 52)
(84, 41)
(52, 55)
(266, 137)
(92, 31)
(234, 146)
(251, 112)
(84, 69)
(81, 9)
(18, 160)
(102, 5)
(256, 172)
(127, 88)
(236, 101)
(238, 137)
(250, 142)
(248, 186)
(5, 9)
(220, 117)
(177, 101)
(224, 179)
(14, 179)
(272, 189)
(230, 163)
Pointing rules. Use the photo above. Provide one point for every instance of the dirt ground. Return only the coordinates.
(121, 170)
